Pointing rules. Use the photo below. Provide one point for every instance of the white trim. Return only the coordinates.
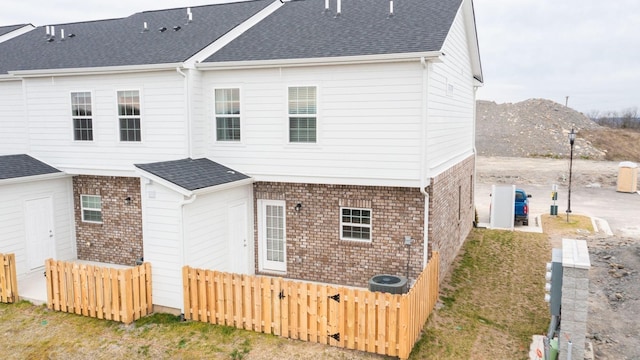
(189, 193)
(17, 32)
(104, 70)
(25, 179)
(333, 180)
(369, 226)
(321, 61)
(263, 264)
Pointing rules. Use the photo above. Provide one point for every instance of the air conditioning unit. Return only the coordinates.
(391, 284)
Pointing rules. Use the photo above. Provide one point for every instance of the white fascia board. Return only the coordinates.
(15, 33)
(233, 34)
(472, 39)
(9, 78)
(95, 70)
(333, 180)
(97, 171)
(26, 179)
(433, 56)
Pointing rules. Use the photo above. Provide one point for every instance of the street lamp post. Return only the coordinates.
(572, 139)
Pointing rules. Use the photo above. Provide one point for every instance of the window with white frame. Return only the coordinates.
(91, 207)
(303, 114)
(81, 113)
(355, 224)
(227, 114)
(129, 115)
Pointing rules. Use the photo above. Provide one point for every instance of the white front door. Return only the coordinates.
(239, 239)
(272, 235)
(39, 231)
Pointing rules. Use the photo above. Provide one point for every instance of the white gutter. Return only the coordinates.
(424, 165)
(95, 70)
(187, 100)
(43, 177)
(338, 60)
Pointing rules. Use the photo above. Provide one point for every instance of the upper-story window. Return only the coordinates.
(303, 114)
(227, 114)
(129, 115)
(81, 114)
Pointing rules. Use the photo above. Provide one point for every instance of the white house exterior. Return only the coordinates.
(254, 137)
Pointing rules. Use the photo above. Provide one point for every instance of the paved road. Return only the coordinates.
(620, 210)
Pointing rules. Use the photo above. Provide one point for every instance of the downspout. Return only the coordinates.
(187, 99)
(424, 167)
(475, 154)
(186, 201)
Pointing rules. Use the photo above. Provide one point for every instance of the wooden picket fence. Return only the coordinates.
(350, 318)
(122, 295)
(8, 279)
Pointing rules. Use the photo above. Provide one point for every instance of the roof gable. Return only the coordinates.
(22, 165)
(123, 42)
(7, 29)
(303, 29)
(193, 174)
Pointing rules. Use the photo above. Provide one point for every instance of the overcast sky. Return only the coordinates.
(588, 50)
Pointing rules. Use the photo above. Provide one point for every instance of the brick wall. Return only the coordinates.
(118, 240)
(314, 249)
(451, 211)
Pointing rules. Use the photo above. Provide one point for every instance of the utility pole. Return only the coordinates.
(566, 101)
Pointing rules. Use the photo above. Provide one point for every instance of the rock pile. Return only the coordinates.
(532, 128)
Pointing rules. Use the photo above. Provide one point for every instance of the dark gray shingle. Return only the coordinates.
(7, 29)
(193, 174)
(120, 42)
(21, 165)
(301, 29)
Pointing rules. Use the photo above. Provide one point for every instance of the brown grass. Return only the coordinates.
(619, 144)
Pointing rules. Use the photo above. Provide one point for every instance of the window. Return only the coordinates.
(81, 115)
(129, 115)
(355, 224)
(227, 114)
(91, 208)
(302, 114)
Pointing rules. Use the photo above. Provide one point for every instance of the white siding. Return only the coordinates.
(163, 119)
(207, 228)
(12, 218)
(199, 129)
(369, 121)
(451, 103)
(163, 245)
(13, 127)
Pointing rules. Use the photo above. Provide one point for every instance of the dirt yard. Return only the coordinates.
(614, 299)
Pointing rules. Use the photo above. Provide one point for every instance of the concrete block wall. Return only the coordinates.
(575, 297)
(118, 239)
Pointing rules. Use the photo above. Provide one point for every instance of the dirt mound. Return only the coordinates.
(532, 128)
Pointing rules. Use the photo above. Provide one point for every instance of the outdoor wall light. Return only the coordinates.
(298, 207)
(127, 200)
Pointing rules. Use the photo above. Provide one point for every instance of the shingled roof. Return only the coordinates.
(7, 29)
(303, 29)
(22, 165)
(193, 174)
(122, 42)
